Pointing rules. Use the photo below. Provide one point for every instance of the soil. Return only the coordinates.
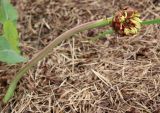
(112, 75)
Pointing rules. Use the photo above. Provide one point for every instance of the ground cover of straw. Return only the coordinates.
(111, 75)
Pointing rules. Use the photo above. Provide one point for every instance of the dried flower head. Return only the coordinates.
(127, 21)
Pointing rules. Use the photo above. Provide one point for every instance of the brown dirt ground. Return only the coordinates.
(115, 75)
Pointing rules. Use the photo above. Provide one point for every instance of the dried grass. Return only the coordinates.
(115, 75)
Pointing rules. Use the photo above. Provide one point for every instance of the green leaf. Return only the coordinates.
(7, 11)
(11, 35)
(11, 57)
(9, 50)
(2, 14)
(3, 43)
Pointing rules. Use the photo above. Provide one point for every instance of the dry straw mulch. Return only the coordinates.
(112, 75)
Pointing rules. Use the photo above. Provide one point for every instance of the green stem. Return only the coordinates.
(110, 31)
(43, 53)
(147, 22)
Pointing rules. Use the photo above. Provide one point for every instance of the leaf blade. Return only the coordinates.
(3, 43)
(11, 57)
(7, 11)
(11, 35)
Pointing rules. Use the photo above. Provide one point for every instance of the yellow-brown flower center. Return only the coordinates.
(126, 21)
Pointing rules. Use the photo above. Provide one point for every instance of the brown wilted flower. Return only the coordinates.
(127, 21)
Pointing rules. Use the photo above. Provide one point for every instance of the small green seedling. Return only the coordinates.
(125, 22)
(9, 43)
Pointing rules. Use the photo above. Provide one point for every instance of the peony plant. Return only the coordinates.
(124, 22)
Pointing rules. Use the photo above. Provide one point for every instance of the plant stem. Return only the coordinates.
(43, 53)
(147, 22)
(101, 35)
